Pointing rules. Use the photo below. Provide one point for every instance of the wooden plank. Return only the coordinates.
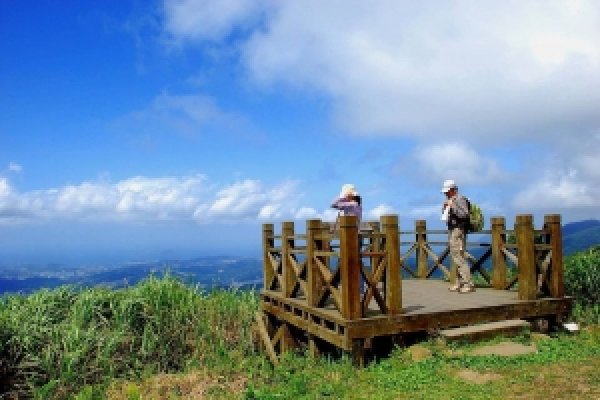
(421, 239)
(267, 243)
(526, 251)
(266, 340)
(553, 225)
(499, 270)
(393, 279)
(389, 325)
(307, 326)
(349, 267)
(437, 262)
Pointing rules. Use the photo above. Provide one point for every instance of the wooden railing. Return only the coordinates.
(346, 270)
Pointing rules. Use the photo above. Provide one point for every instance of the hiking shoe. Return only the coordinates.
(466, 289)
(454, 288)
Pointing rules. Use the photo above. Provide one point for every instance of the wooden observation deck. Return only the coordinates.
(354, 287)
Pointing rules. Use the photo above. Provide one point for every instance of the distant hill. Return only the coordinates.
(580, 235)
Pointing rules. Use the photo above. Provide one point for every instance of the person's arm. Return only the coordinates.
(341, 203)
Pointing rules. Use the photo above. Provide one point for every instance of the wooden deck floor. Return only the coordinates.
(432, 296)
(427, 306)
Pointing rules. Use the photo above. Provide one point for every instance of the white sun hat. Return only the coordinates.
(347, 189)
(448, 184)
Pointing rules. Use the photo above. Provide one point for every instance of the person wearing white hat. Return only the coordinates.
(455, 212)
(349, 202)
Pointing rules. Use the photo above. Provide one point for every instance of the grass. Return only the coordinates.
(56, 341)
(396, 377)
(163, 339)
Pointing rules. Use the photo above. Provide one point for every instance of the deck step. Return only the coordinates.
(512, 327)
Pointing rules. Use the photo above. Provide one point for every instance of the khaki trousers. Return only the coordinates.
(457, 242)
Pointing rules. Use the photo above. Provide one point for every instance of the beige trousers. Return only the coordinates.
(457, 242)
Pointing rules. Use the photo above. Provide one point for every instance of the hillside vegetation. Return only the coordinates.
(164, 339)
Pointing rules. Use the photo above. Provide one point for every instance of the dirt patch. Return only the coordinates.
(193, 386)
(477, 377)
(419, 353)
(504, 349)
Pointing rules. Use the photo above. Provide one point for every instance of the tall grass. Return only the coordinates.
(53, 342)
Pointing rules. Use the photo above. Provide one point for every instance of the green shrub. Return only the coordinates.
(582, 276)
(55, 342)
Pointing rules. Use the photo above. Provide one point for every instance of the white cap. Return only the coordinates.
(448, 184)
(347, 189)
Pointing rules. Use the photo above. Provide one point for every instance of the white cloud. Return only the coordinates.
(305, 213)
(559, 191)
(14, 167)
(140, 198)
(209, 20)
(457, 161)
(377, 212)
(493, 70)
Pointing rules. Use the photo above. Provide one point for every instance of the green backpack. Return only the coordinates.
(476, 219)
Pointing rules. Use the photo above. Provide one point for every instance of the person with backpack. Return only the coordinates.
(455, 212)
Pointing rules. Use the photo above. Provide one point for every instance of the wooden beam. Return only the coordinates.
(313, 280)
(393, 279)
(421, 239)
(553, 227)
(266, 340)
(526, 254)
(349, 267)
(268, 243)
(499, 270)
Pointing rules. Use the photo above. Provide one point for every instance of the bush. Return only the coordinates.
(582, 276)
(54, 342)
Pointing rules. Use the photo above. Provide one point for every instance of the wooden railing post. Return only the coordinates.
(268, 243)
(393, 277)
(553, 227)
(421, 239)
(287, 244)
(349, 268)
(526, 257)
(498, 256)
(313, 277)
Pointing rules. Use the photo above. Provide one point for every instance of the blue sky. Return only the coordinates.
(135, 129)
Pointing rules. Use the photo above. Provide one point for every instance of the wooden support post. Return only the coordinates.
(393, 276)
(313, 277)
(263, 333)
(421, 239)
(556, 281)
(287, 341)
(498, 256)
(287, 244)
(268, 243)
(349, 266)
(526, 257)
(375, 246)
(358, 352)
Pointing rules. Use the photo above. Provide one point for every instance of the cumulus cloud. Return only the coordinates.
(493, 70)
(191, 198)
(209, 20)
(559, 191)
(461, 162)
(382, 209)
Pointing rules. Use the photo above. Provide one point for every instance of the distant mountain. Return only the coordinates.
(580, 235)
(206, 272)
